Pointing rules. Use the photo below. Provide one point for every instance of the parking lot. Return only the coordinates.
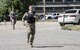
(49, 36)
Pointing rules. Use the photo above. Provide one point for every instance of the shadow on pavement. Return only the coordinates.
(46, 46)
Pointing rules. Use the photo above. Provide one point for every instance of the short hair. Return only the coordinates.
(30, 6)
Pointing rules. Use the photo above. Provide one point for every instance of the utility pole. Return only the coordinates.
(64, 13)
(44, 8)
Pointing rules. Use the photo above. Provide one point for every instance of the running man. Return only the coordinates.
(30, 17)
(13, 18)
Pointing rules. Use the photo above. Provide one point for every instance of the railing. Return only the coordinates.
(47, 11)
(57, 3)
(39, 11)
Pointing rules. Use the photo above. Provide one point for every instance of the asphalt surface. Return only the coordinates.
(49, 36)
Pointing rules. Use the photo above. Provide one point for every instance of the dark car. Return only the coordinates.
(42, 16)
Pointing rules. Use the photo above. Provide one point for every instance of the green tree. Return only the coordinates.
(20, 6)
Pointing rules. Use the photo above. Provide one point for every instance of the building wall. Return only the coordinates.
(56, 5)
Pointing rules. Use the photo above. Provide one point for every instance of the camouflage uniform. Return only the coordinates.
(13, 18)
(31, 27)
(31, 32)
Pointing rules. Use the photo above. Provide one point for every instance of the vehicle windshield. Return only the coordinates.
(71, 11)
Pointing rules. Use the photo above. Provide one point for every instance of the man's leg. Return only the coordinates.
(13, 25)
(28, 37)
(32, 38)
(11, 21)
(14, 22)
(32, 34)
(5, 21)
(29, 33)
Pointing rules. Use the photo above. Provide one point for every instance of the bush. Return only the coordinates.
(72, 27)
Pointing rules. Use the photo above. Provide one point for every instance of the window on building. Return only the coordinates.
(38, 9)
(49, 9)
(77, 7)
(78, 0)
(58, 0)
(65, 8)
(48, 0)
(68, 0)
(58, 9)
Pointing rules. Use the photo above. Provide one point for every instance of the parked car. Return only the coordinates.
(69, 16)
(42, 16)
(52, 16)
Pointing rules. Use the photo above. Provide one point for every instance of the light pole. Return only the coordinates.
(44, 8)
(64, 13)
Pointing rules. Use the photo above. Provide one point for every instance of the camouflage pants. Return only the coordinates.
(31, 32)
(13, 22)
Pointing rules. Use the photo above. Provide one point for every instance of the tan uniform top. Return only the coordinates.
(13, 15)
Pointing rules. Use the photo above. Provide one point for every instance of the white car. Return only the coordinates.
(69, 16)
(52, 16)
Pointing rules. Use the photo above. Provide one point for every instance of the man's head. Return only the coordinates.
(31, 7)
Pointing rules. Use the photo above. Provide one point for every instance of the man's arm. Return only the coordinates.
(36, 17)
(24, 16)
(10, 14)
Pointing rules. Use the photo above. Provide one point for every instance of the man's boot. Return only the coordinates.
(31, 44)
(13, 27)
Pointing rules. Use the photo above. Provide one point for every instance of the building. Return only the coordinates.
(56, 5)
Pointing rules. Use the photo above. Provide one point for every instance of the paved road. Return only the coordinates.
(49, 36)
